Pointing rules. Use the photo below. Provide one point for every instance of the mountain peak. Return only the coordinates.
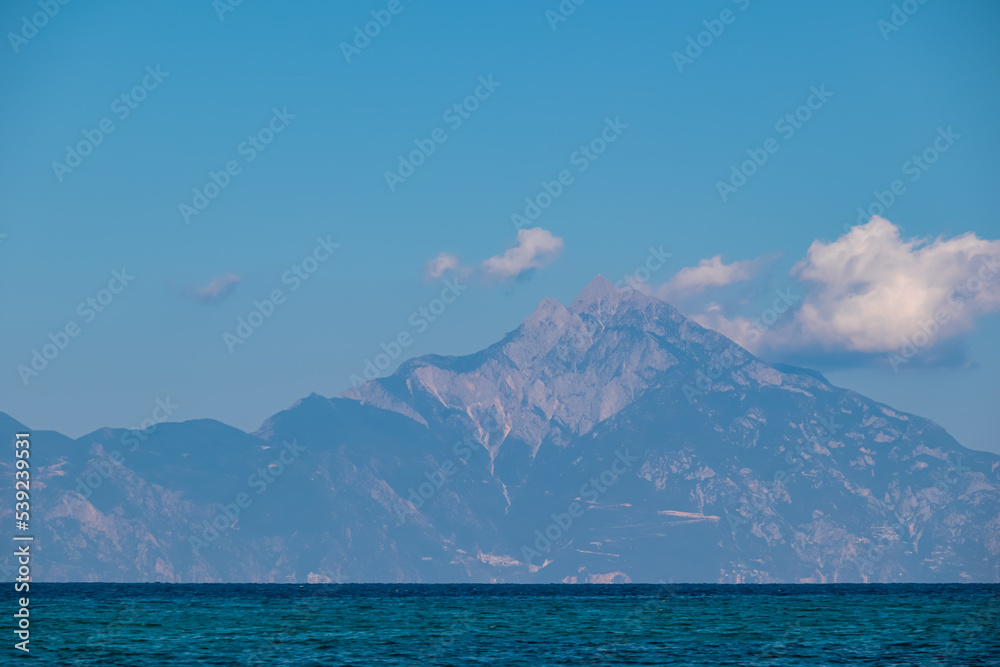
(598, 290)
(600, 293)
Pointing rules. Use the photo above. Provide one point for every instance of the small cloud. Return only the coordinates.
(737, 329)
(709, 273)
(219, 288)
(535, 248)
(442, 264)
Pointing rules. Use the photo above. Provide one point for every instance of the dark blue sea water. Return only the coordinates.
(153, 624)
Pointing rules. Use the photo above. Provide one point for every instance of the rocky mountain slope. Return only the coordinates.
(611, 440)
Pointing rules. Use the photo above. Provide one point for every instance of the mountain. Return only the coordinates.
(610, 440)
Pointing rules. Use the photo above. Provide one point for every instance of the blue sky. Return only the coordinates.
(551, 90)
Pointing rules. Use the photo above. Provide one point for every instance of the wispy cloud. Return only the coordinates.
(442, 264)
(217, 289)
(535, 248)
(709, 273)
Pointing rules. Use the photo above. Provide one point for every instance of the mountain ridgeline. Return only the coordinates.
(611, 440)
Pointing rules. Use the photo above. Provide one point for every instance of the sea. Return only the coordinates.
(472, 624)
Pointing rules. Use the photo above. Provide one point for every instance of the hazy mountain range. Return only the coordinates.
(609, 440)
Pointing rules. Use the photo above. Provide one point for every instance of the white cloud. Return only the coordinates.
(219, 288)
(868, 292)
(872, 291)
(535, 247)
(440, 265)
(708, 273)
(735, 329)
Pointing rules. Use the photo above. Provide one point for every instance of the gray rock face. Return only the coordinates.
(611, 440)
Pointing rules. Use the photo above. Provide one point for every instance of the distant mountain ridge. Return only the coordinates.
(573, 450)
